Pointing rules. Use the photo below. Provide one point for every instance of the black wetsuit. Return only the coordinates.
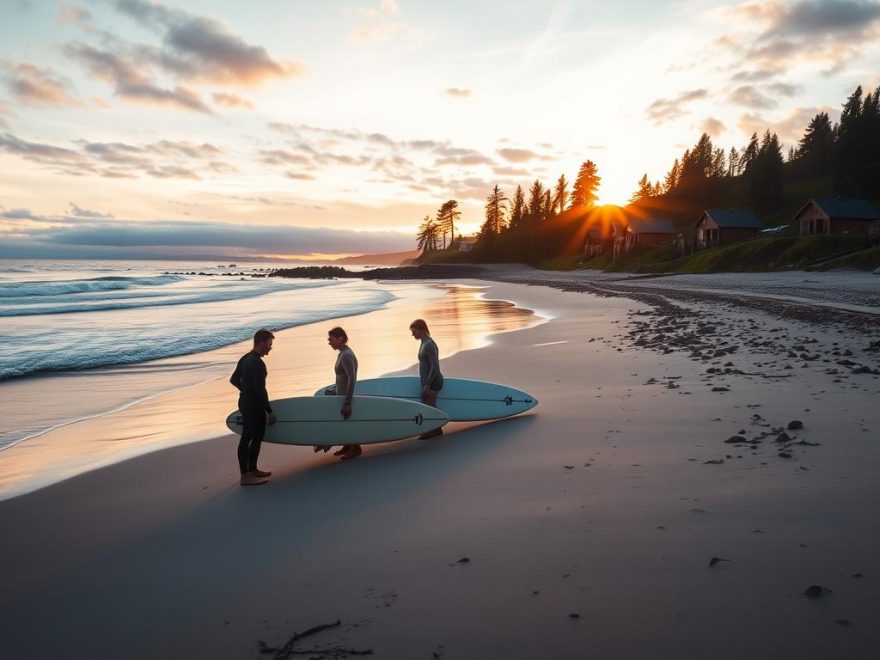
(253, 404)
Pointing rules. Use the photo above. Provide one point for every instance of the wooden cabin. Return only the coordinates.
(837, 215)
(717, 227)
(646, 232)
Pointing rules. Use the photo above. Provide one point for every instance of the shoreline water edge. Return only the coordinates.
(96, 413)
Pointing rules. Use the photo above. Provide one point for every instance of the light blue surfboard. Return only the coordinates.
(464, 400)
(306, 420)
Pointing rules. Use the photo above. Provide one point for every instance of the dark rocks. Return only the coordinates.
(795, 425)
(734, 439)
(716, 560)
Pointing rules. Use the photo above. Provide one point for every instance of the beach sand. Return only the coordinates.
(585, 529)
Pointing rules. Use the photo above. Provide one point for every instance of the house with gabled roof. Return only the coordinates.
(717, 227)
(645, 232)
(837, 215)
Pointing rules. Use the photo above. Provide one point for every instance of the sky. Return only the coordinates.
(278, 128)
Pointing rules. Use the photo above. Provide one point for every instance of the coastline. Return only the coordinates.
(186, 398)
(607, 503)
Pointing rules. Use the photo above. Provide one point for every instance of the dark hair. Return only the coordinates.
(338, 332)
(420, 325)
(262, 335)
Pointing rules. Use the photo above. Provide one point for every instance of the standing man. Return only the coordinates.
(253, 404)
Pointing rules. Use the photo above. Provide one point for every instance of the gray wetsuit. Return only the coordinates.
(429, 365)
(346, 369)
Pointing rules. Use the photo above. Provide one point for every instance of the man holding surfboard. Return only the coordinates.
(429, 368)
(249, 378)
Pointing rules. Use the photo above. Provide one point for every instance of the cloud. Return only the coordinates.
(790, 128)
(163, 159)
(73, 235)
(515, 155)
(749, 96)
(32, 85)
(19, 214)
(753, 76)
(300, 176)
(457, 92)
(283, 157)
(714, 127)
(87, 213)
(471, 158)
(784, 89)
(231, 101)
(829, 31)
(511, 171)
(664, 110)
(376, 24)
(204, 49)
(132, 82)
(73, 15)
(61, 159)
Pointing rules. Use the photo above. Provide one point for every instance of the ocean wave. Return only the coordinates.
(125, 300)
(67, 287)
(75, 350)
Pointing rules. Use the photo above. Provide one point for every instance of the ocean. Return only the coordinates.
(72, 315)
(118, 322)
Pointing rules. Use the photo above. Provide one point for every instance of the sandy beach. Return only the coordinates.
(658, 503)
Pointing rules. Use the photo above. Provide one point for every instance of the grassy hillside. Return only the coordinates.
(765, 254)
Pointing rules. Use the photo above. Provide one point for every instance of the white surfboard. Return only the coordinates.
(464, 400)
(308, 420)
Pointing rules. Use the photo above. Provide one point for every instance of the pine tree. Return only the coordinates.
(496, 207)
(560, 194)
(585, 186)
(535, 207)
(749, 154)
(733, 163)
(517, 211)
(813, 153)
(765, 175)
(547, 208)
(644, 191)
(670, 183)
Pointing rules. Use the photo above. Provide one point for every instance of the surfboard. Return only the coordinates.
(306, 420)
(464, 400)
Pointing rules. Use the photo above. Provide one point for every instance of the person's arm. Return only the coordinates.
(433, 359)
(261, 374)
(235, 379)
(347, 364)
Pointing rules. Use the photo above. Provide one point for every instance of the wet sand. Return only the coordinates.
(586, 529)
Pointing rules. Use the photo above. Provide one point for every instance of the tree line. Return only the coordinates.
(503, 214)
(845, 153)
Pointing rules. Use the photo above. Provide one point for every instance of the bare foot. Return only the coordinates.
(261, 473)
(250, 479)
(353, 453)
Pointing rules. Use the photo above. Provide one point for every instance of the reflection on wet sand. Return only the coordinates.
(301, 362)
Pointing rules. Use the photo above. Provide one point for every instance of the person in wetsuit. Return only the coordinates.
(346, 376)
(249, 378)
(429, 368)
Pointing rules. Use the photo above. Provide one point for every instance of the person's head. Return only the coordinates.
(337, 338)
(419, 329)
(263, 341)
